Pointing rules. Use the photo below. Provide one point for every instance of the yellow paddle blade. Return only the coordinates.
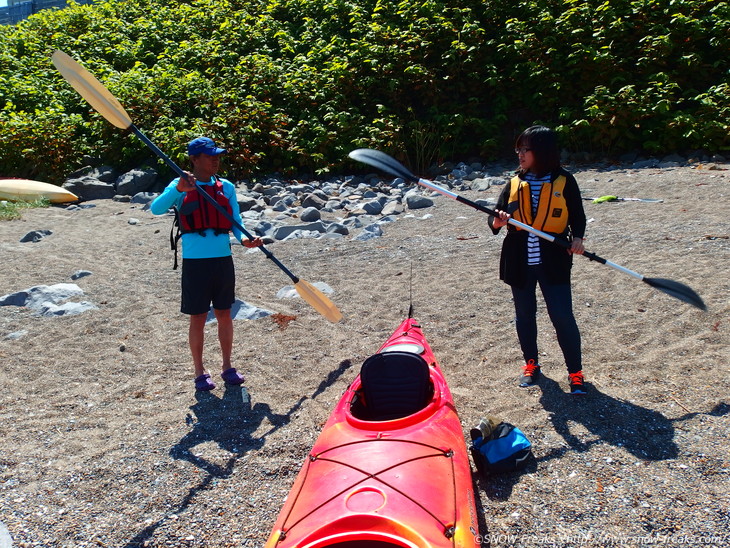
(91, 89)
(318, 301)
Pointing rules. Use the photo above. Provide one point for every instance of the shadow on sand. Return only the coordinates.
(646, 434)
(230, 422)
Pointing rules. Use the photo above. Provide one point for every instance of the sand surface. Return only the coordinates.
(105, 442)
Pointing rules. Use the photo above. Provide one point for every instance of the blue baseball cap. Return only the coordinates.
(204, 145)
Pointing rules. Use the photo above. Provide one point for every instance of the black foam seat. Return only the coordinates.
(394, 385)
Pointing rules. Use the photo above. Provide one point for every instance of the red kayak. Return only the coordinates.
(390, 467)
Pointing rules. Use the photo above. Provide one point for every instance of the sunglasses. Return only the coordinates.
(522, 150)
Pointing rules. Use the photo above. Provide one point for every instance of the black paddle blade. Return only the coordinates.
(383, 162)
(677, 290)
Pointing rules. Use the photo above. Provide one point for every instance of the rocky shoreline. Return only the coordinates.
(276, 209)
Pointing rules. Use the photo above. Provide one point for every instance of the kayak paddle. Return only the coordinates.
(390, 165)
(612, 198)
(107, 105)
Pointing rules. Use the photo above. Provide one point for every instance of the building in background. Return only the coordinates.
(17, 10)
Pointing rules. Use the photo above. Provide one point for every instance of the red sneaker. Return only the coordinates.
(576, 383)
(530, 373)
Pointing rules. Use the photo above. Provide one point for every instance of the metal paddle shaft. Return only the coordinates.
(107, 105)
(390, 165)
(523, 226)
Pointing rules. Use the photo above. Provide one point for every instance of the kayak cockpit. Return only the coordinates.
(367, 543)
(392, 385)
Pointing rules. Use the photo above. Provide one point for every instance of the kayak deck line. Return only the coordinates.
(384, 474)
(448, 453)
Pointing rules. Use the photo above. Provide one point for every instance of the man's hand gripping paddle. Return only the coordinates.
(390, 165)
(107, 105)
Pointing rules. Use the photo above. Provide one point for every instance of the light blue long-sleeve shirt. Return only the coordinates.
(208, 244)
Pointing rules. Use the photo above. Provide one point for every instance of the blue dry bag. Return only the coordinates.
(502, 448)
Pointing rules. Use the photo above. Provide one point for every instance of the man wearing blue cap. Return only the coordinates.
(208, 275)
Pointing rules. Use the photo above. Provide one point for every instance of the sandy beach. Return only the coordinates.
(106, 443)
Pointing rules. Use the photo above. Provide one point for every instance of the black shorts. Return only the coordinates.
(206, 281)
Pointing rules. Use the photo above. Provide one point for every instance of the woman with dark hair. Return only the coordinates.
(545, 196)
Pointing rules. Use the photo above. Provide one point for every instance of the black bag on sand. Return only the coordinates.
(499, 447)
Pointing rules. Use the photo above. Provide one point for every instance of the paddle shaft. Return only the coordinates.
(210, 199)
(523, 226)
(394, 167)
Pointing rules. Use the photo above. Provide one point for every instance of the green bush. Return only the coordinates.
(293, 85)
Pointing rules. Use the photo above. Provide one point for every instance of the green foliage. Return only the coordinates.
(293, 85)
(10, 211)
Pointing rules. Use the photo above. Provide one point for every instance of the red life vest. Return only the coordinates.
(197, 214)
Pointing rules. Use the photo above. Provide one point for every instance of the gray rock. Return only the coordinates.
(417, 201)
(105, 174)
(484, 183)
(88, 188)
(80, 274)
(43, 300)
(337, 228)
(135, 181)
(67, 309)
(674, 159)
(316, 200)
(486, 203)
(284, 232)
(651, 162)
(373, 207)
(275, 200)
(251, 215)
(247, 203)
(144, 197)
(19, 298)
(272, 190)
(300, 188)
(302, 234)
(260, 228)
(394, 207)
(35, 236)
(310, 214)
(332, 205)
(369, 232)
(353, 222)
(241, 311)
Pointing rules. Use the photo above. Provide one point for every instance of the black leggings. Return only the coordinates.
(559, 302)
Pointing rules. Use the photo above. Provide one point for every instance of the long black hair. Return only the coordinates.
(543, 142)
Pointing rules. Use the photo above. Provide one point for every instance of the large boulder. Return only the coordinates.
(135, 181)
(89, 188)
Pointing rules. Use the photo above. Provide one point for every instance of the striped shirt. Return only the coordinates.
(533, 241)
